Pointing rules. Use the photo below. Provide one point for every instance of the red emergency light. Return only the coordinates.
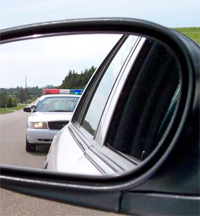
(51, 91)
(62, 91)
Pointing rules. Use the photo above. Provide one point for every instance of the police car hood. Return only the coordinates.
(50, 116)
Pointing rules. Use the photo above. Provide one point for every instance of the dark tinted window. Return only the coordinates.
(148, 102)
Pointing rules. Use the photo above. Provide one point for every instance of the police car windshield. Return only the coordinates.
(57, 104)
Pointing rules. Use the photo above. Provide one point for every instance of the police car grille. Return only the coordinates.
(57, 125)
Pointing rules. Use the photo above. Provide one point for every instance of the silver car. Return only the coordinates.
(50, 114)
(81, 147)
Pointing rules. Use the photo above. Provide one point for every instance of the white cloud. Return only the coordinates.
(48, 60)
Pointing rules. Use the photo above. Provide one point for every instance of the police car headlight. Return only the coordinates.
(37, 125)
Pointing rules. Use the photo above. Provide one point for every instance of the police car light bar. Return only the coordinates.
(63, 91)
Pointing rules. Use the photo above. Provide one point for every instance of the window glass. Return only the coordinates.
(94, 112)
(147, 104)
(57, 104)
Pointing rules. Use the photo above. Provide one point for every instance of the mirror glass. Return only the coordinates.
(125, 112)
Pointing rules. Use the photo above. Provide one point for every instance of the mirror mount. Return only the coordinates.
(33, 108)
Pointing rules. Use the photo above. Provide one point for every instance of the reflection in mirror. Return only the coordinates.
(31, 65)
(123, 114)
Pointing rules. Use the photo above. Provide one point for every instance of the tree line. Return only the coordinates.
(77, 80)
(12, 96)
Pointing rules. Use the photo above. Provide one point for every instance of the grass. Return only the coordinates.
(192, 32)
(12, 109)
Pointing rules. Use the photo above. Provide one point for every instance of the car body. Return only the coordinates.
(50, 113)
(65, 155)
(90, 157)
(138, 128)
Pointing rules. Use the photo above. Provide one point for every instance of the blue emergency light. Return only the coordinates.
(63, 91)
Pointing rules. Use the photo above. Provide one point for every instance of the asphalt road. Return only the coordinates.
(12, 152)
(12, 142)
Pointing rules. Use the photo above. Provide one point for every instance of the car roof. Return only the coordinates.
(60, 95)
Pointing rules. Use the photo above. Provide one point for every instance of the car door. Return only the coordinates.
(112, 122)
(91, 125)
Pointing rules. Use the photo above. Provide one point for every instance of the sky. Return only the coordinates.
(48, 61)
(171, 13)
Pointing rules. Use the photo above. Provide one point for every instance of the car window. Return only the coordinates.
(57, 104)
(150, 97)
(98, 102)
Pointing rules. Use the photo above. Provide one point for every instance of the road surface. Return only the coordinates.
(12, 142)
(12, 152)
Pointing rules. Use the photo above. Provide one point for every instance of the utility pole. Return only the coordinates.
(25, 82)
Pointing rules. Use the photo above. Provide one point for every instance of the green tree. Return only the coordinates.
(3, 99)
(23, 95)
(11, 102)
(77, 80)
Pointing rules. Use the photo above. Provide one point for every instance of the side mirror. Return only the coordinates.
(165, 179)
(27, 109)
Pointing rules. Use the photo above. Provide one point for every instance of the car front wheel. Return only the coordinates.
(30, 147)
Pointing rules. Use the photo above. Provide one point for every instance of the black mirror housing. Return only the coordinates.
(27, 109)
(167, 183)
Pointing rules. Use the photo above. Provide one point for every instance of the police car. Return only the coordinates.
(51, 112)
